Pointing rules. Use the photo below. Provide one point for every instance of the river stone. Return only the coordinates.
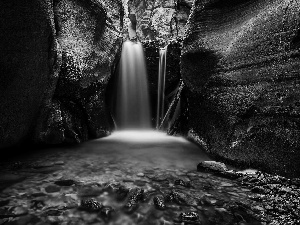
(211, 166)
(52, 188)
(189, 217)
(159, 202)
(90, 205)
(67, 182)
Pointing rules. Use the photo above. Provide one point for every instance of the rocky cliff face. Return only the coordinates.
(159, 19)
(56, 60)
(240, 63)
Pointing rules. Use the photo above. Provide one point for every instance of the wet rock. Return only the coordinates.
(189, 217)
(37, 203)
(211, 166)
(111, 187)
(67, 182)
(132, 203)
(52, 188)
(90, 205)
(52, 212)
(159, 202)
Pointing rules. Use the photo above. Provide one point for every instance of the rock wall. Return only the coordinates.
(240, 63)
(27, 64)
(56, 58)
(89, 34)
(172, 78)
(159, 19)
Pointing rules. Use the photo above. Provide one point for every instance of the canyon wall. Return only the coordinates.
(56, 59)
(159, 20)
(240, 64)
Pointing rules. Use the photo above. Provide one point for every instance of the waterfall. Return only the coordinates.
(133, 105)
(161, 86)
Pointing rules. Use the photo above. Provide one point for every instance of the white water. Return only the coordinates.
(133, 105)
(161, 86)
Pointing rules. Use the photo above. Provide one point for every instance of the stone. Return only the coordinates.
(159, 202)
(67, 182)
(133, 198)
(189, 217)
(211, 166)
(182, 183)
(52, 188)
(90, 205)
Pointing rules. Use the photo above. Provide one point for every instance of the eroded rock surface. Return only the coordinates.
(159, 19)
(56, 60)
(240, 63)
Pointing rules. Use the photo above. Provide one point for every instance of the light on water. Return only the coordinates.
(144, 136)
(133, 106)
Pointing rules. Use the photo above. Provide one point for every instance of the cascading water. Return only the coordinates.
(133, 105)
(161, 85)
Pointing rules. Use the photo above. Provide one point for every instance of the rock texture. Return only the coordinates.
(159, 19)
(27, 65)
(240, 63)
(56, 60)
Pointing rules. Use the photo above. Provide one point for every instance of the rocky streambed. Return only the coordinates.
(157, 180)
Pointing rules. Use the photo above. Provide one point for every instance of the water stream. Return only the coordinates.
(132, 105)
(161, 86)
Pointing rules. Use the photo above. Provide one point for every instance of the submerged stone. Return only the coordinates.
(189, 217)
(159, 202)
(67, 182)
(133, 198)
(52, 188)
(91, 205)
